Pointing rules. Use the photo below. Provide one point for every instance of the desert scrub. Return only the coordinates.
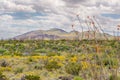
(38, 66)
(31, 77)
(2, 77)
(78, 78)
(52, 54)
(74, 59)
(73, 68)
(52, 65)
(114, 77)
(18, 70)
(85, 65)
(110, 62)
(5, 69)
(31, 59)
(2, 51)
(65, 78)
(4, 63)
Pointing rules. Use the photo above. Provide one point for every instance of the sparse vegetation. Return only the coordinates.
(73, 68)
(44, 60)
(32, 77)
(2, 77)
(78, 78)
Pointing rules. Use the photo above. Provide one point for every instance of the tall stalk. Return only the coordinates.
(100, 27)
(80, 26)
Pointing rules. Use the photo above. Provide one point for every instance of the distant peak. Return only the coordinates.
(57, 29)
(73, 31)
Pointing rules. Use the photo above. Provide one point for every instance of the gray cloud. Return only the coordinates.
(57, 13)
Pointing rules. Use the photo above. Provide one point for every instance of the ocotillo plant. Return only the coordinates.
(89, 28)
(100, 27)
(114, 35)
(95, 29)
(80, 26)
(118, 29)
(88, 32)
(76, 33)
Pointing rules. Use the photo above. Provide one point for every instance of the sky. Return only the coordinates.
(21, 16)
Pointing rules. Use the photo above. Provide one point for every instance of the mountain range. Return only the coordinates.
(57, 34)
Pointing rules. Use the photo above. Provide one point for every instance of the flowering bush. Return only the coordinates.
(52, 65)
(73, 68)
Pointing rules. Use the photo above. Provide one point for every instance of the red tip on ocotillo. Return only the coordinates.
(93, 23)
(88, 17)
(118, 26)
(72, 25)
(77, 15)
(93, 16)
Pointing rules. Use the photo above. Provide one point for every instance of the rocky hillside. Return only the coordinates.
(56, 34)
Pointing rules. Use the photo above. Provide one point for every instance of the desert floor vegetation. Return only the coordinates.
(59, 60)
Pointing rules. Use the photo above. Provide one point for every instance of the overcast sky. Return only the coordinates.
(20, 16)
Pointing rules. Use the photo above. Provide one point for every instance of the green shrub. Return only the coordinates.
(78, 78)
(65, 78)
(2, 77)
(2, 51)
(32, 77)
(30, 59)
(51, 54)
(52, 65)
(38, 66)
(7, 53)
(114, 77)
(4, 63)
(73, 68)
(19, 70)
(34, 54)
(41, 50)
(110, 62)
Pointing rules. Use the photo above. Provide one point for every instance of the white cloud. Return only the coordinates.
(11, 6)
(5, 17)
(57, 13)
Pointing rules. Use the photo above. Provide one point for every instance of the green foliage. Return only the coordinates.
(32, 52)
(52, 65)
(41, 50)
(2, 77)
(2, 51)
(73, 68)
(4, 63)
(32, 77)
(18, 70)
(110, 62)
(35, 54)
(78, 78)
(36, 46)
(114, 77)
(52, 54)
(38, 66)
(61, 47)
(66, 78)
(6, 53)
(30, 59)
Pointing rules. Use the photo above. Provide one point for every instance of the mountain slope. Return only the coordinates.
(56, 34)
